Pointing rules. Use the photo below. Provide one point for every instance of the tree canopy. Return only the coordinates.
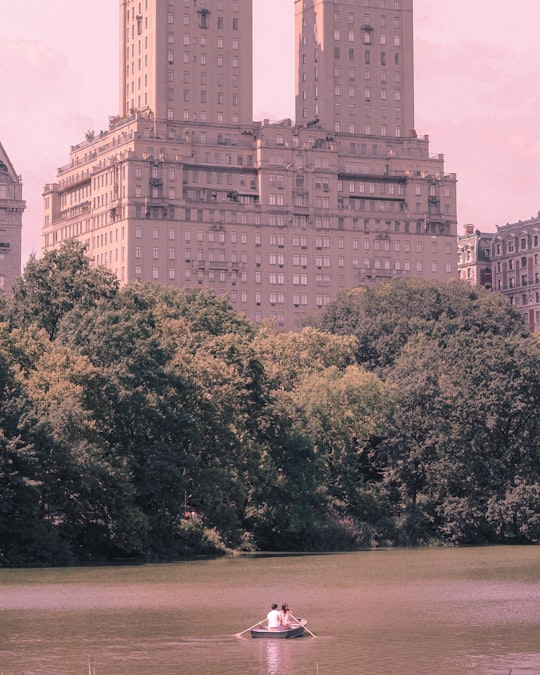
(150, 423)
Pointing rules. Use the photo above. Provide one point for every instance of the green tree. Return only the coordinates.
(85, 494)
(385, 317)
(465, 433)
(52, 286)
(26, 534)
(344, 414)
(291, 357)
(179, 404)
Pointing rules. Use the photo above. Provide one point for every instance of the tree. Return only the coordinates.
(51, 287)
(85, 495)
(179, 405)
(465, 434)
(385, 317)
(344, 415)
(291, 357)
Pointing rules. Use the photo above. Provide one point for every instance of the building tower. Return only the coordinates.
(189, 60)
(11, 211)
(354, 66)
(185, 189)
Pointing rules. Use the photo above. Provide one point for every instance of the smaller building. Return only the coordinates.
(515, 255)
(11, 211)
(474, 257)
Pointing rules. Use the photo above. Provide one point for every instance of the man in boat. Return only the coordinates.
(274, 618)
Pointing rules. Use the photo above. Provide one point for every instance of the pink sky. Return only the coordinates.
(477, 89)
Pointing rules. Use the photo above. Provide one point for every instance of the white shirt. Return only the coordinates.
(274, 619)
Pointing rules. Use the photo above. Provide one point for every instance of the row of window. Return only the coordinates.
(203, 19)
(396, 22)
(198, 116)
(351, 91)
(189, 40)
(302, 241)
(523, 262)
(278, 199)
(352, 74)
(511, 245)
(296, 278)
(367, 37)
(384, 245)
(203, 96)
(202, 59)
(382, 4)
(274, 259)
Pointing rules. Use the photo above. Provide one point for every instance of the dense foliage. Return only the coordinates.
(153, 423)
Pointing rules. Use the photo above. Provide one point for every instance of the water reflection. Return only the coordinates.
(283, 656)
(272, 657)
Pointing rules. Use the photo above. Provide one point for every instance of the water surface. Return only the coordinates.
(399, 612)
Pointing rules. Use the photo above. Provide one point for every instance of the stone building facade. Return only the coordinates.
(185, 189)
(516, 267)
(12, 207)
(474, 257)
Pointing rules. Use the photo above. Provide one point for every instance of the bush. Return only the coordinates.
(196, 539)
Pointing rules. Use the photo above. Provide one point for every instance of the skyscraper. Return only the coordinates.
(187, 60)
(185, 189)
(354, 66)
(12, 208)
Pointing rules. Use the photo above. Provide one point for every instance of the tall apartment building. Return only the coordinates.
(12, 208)
(185, 189)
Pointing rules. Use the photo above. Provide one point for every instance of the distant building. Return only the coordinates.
(516, 267)
(11, 211)
(185, 189)
(474, 257)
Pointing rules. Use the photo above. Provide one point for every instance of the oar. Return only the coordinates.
(298, 621)
(245, 631)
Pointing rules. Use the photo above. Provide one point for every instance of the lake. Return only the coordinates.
(433, 611)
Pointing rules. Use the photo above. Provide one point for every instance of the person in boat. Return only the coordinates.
(285, 616)
(274, 618)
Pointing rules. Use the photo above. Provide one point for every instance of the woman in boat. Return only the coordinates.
(285, 616)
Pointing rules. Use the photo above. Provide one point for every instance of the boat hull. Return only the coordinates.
(296, 630)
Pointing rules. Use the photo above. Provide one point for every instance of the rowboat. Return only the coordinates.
(296, 629)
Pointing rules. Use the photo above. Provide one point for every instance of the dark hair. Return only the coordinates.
(284, 607)
(274, 606)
